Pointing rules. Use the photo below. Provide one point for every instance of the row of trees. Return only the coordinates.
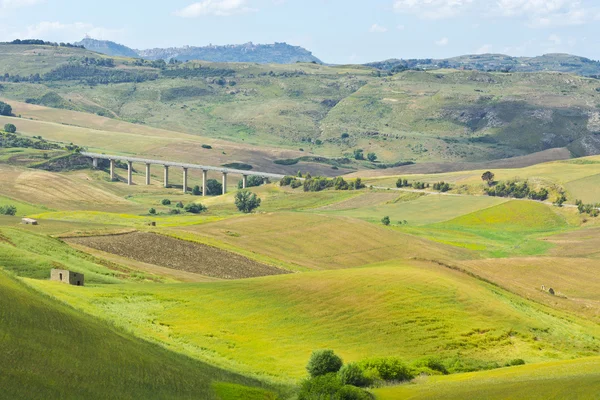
(359, 155)
(518, 190)
(320, 183)
(591, 209)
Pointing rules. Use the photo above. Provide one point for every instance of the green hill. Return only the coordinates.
(49, 350)
(330, 111)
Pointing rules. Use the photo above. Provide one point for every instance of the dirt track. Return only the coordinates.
(179, 254)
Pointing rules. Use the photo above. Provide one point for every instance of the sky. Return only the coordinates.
(336, 31)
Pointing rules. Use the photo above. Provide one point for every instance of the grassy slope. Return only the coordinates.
(416, 309)
(573, 379)
(54, 351)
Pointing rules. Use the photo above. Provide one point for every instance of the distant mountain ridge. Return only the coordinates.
(498, 63)
(277, 53)
(107, 47)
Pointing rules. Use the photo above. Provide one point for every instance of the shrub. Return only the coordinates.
(560, 200)
(340, 184)
(345, 135)
(433, 364)
(214, 187)
(352, 374)
(358, 184)
(206, 146)
(175, 211)
(152, 211)
(296, 184)
(165, 202)
(517, 361)
(196, 191)
(322, 362)
(348, 392)
(358, 154)
(8, 210)
(10, 128)
(194, 208)
(371, 157)
(246, 201)
(387, 369)
(286, 180)
(441, 186)
(252, 181)
(320, 387)
(179, 205)
(385, 220)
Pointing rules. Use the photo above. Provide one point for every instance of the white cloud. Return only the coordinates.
(442, 42)
(376, 28)
(59, 32)
(432, 9)
(221, 8)
(486, 48)
(536, 13)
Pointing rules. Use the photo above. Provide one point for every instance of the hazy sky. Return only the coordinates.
(336, 31)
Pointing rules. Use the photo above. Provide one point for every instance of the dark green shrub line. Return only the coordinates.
(518, 190)
(8, 210)
(591, 209)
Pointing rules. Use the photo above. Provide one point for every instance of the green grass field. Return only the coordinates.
(573, 379)
(50, 350)
(416, 309)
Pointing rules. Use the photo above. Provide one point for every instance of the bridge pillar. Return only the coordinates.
(166, 183)
(95, 163)
(129, 171)
(224, 182)
(203, 182)
(112, 170)
(185, 180)
(244, 181)
(147, 174)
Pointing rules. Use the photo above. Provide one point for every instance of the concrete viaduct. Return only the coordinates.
(166, 164)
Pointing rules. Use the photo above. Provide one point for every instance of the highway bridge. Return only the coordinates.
(168, 164)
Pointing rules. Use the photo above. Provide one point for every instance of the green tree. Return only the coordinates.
(372, 157)
(8, 210)
(10, 128)
(214, 187)
(179, 205)
(323, 362)
(196, 191)
(358, 154)
(246, 201)
(488, 177)
(353, 374)
(5, 109)
(166, 202)
(385, 220)
(152, 211)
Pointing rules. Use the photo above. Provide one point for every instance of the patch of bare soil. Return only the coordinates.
(178, 254)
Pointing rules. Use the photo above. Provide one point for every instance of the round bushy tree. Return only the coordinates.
(385, 220)
(246, 201)
(152, 211)
(165, 202)
(10, 128)
(323, 362)
(352, 374)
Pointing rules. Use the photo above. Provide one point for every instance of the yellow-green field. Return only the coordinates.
(573, 379)
(416, 309)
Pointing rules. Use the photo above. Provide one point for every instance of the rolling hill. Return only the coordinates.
(439, 116)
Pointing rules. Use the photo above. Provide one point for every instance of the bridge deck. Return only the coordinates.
(182, 165)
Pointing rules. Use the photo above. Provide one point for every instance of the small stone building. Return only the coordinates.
(66, 276)
(29, 221)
